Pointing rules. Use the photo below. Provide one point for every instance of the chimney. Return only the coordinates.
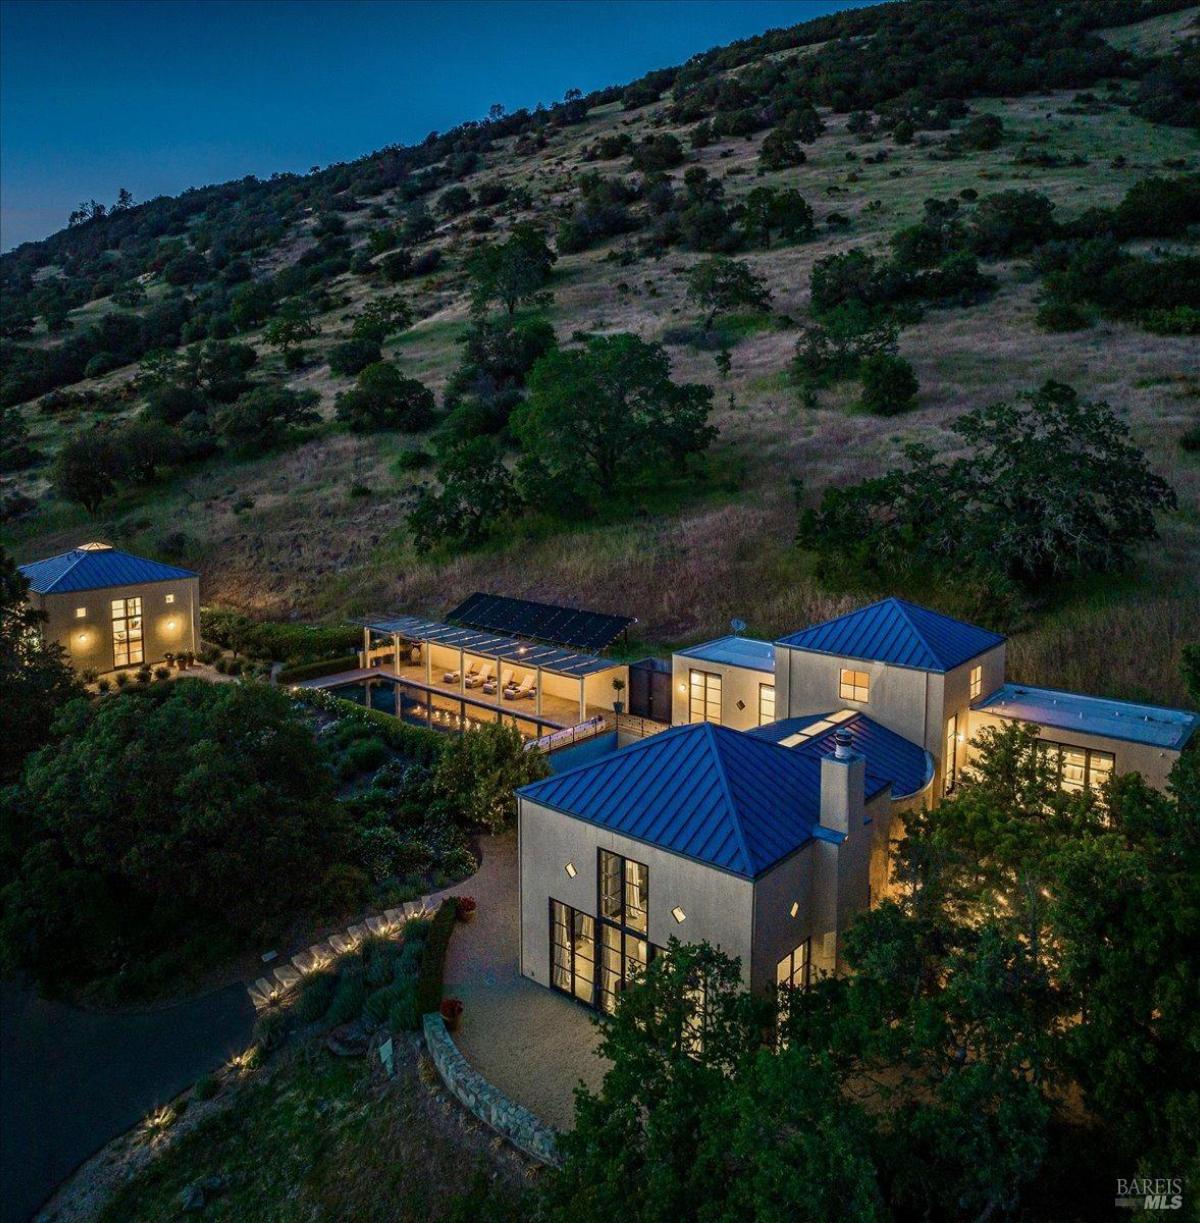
(843, 786)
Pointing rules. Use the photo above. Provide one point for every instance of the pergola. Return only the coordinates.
(566, 668)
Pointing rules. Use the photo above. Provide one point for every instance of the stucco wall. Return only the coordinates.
(88, 639)
(737, 684)
(1153, 763)
(718, 906)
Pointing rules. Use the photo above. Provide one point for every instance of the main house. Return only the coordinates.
(110, 609)
(761, 820)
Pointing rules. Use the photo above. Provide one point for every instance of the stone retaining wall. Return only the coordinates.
(488, 1103)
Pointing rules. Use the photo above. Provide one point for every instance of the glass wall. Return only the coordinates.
(1077, 768)
(572, 951)
(624, 922)
(127, 632)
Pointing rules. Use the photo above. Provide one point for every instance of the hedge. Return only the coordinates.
(310, 670)
(288, 643)
(433, 959)
(416, 743)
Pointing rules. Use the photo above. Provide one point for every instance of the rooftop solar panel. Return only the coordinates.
(563, 626)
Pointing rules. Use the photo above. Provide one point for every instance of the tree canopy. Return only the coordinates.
(1051, 487)
(608, 414)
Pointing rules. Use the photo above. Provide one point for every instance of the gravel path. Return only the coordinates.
(531, 1043)
(71, 1080)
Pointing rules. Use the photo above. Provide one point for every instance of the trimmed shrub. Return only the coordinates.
(348, 998)
(433, 961)
(316, 996)
(205, 1087)
(311, 670)
(405, 1015)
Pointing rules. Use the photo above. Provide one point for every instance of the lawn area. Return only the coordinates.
(323, 1137)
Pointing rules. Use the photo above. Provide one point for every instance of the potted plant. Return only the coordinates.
(452, 1009)
(467, 908)
(618, 687)
(169, 658)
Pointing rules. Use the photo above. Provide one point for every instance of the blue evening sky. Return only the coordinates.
(161, 95)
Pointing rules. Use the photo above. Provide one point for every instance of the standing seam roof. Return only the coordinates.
(706, 792)
(95, 569)
(897, 632)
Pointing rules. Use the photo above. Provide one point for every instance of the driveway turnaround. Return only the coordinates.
(72, 1080)
(531, 1043)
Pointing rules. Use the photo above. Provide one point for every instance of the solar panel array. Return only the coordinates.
(490, 645)
(565, 626)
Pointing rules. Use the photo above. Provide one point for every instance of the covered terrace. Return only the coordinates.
(552, 684)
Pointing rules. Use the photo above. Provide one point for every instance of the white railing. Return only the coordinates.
(569, 735)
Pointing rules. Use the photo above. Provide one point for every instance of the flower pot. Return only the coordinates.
(452, 1022)
(467, 915)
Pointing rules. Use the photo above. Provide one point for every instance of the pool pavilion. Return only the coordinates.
(546, 683)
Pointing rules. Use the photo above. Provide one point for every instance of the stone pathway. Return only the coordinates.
(531, 1043)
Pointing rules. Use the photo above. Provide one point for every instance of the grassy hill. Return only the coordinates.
(316, 528)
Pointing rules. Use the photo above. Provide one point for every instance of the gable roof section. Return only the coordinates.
(890, 757)
(897, 632)
(706, 792)
(93, 568)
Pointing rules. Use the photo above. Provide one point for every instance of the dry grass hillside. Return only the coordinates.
(283, 535)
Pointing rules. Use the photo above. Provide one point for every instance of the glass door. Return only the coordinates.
(127, 632)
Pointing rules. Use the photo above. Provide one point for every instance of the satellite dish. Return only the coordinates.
(738, 626)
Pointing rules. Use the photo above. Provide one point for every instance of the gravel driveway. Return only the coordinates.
(534, 1045)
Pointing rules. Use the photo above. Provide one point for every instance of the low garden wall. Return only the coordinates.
(488, 1103)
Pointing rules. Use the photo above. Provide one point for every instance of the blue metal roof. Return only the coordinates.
(1093, 715)
(706, 792)
(895, 631)
(95, 566)
(735, 651)
(891, 758)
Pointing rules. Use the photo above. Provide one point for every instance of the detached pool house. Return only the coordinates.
(452, 675)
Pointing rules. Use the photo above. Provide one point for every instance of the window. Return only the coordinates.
(1077, 768)
(705, 697)
(792, 971)
(624, 922)
(572, 951)
(951, 754)
(766, 704)
(855, 685)
(80, 612)
(127, 632)
(976, 682)
(170, 598)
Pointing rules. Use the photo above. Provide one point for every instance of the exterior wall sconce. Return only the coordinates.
(570, 869)
(795, 908)
(678, 914)
(171, 626)
(683, 689)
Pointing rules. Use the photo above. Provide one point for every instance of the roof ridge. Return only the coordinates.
(80, 557)
(733, 808)
(906, 608)
(602, 761)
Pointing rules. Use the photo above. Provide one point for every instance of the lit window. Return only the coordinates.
(170, 598)
(624, 919)
(766, 704)
(792, 971)
(80, 612)
(127, 632)
(678, 914)
(855, 685)
(1077, 768)
(705, 700)
(951, 778)
(570, 869)
(976, 682)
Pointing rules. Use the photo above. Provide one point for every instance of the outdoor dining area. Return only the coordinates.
(547, 684)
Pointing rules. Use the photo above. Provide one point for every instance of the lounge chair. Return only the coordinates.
(514, 692)
(451, 677)
(490, 685)
(475, 678)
